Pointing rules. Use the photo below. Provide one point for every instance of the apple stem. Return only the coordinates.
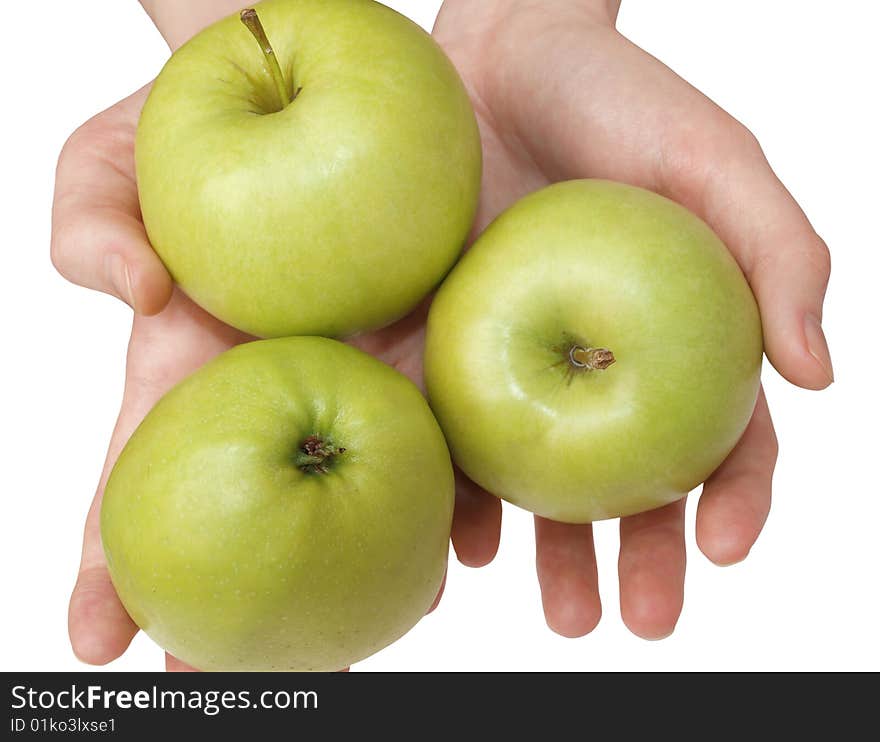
(252, 21)
(592, 359)
(314, 454)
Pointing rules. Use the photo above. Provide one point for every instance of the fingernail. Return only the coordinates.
(120, 278)
(818, 345)
(730, 562)
(658, 637)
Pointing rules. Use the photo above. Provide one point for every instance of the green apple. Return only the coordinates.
(319, 182)
(286, 507)
(596, 354)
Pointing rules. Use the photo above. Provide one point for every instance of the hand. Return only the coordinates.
(560, 94)
(99, 241)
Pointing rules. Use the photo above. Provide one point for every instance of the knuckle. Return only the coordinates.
(821, 258)
(697, 152)
(90, 581)
(63, 240)
(734, 148)
(773, 444)
(105, 135)
(743, 140)
(771, 440)
(103, 138)
(75, 143)
(61, 247)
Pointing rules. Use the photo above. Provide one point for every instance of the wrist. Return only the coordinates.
(601, 11)
(178, 21)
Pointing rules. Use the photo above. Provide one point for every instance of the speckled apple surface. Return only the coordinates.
(335, 214)
(593, 265)
(235, 550)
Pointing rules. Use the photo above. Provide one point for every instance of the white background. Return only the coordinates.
(804, 76)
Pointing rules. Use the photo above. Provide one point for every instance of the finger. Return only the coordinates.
(476, 523)
(567, 574)
(786, 262)
(98, 240)
(736, 498)
(162, 350)
(651, 570)
(99, 627)
(439, 593)
(704, 159)
(100, 630)
(172, 664)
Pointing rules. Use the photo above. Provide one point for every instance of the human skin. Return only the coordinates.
(598, 106)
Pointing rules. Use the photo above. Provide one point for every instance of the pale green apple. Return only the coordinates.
(596, 354)
(287, 507)
(333, 213)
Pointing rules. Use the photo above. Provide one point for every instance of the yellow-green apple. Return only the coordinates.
(319, 179)
(286, 507)
(597, 353)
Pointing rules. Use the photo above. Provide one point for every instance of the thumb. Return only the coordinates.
(98, 239)
(786, 262)
(789, 283)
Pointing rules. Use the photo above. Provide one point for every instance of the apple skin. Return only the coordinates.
(233, 558)
(606, 265)
(338, 213)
